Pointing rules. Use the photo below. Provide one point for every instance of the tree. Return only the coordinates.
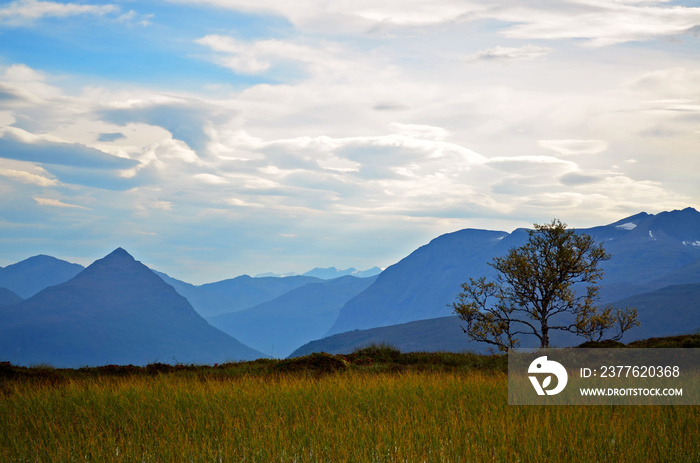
(547, 284)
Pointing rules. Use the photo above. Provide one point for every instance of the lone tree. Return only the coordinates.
(534, 292)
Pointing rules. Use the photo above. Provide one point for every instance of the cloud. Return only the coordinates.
(109, 137)
(509, 53)
(187, 119)
(256, 57)
(57, 203)
(293, 59)
(574, 147)
(359, 16)
(22, 12)
(599, 22)
(211, 179)
(27, 177)
(23, 146)
(578, 178)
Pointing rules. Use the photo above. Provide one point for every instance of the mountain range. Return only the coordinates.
(647, 251)
(119, 311)
(279, 326)
(116, 311)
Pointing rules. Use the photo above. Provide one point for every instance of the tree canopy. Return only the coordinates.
(550, 283)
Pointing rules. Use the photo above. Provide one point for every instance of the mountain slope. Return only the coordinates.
(420, 285)
(332, 273)
(233, 295)
(667, 311)
(433, 335)
(279, 326)
(28, 277)
(648, 252)
(116, 311)
(8, 297)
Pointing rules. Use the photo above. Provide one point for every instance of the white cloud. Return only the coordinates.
(27, 177)
(56, 203)
(600, 22)
(574, 147)
(358, 16)
(211, 179)
(500, 54)
(21, 12)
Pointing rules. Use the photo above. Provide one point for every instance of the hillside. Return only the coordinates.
(648, 252)
(8, 297)
(116, 311)
(669, 311)
(28, 277)
(420, 285)
(279, 326)
(235, 294)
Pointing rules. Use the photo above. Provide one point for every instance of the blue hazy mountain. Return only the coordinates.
(432, 335)
(116, 311)
(668, 311)
(8, 297)
(234, 294)
(422, 284)
(648, 252)
(28, 277)
(279, 326)
(332, 272)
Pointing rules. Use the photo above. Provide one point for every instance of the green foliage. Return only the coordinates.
(682, 341)
(550, 283)
(318, 362)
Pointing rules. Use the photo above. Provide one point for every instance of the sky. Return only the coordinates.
(216, 138)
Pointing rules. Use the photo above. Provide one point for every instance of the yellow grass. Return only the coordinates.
(407, 416)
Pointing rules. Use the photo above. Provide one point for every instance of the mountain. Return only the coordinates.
(235, 294)
(648, 252)
(433, 335)
(8, 297)
(422, 284)
(668, 311)
(332, 272)
(28, 277)
(279, 326)
(116, 311)
(665, 312)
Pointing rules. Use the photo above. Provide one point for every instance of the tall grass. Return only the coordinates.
(408, 416)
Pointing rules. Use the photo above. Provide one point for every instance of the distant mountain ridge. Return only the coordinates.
(8, 297)
(669, 311)
(655, 266)
(235, 294)
(28, 277)
(648, 252)
(116, 311)
(278, 326)
(331, 273)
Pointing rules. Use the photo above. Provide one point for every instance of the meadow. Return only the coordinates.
(372, 406)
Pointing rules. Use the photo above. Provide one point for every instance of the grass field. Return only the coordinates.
(364, 408)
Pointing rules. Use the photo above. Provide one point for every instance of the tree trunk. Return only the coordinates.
(545, 336)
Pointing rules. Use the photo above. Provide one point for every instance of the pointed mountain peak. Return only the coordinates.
(118, 262)
(119, 252)
(631, 222)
